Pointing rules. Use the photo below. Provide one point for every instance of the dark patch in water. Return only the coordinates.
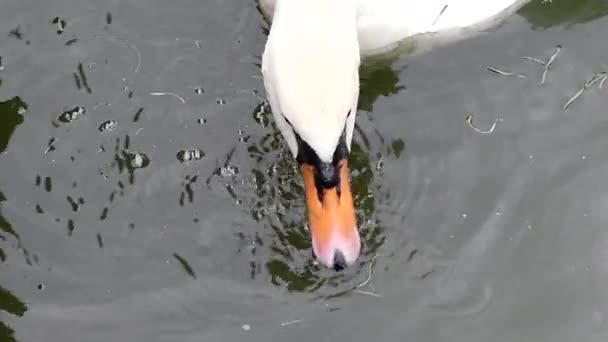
(10, 117)
(138, 114)
(83, 78)
(185, 265)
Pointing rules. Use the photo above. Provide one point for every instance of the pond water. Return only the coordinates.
(145, 194)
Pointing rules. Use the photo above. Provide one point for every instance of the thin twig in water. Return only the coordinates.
(549, 63)
(505, 73)
(601, 77)
(369, 272)
(369, 278)
(134, 48)
(369, 293)
(170, 94)
(603, 80)
(440, 13)
(535, 60)
(573, 98)
(291, 322)
(478, 130)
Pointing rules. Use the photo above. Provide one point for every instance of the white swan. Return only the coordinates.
(310, 68)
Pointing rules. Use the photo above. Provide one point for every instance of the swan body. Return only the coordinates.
(310, 68)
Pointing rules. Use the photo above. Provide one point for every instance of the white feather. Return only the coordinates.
(311, 60)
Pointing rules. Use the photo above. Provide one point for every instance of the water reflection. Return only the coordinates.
(10, 304)
(11, 116)
(545, 14)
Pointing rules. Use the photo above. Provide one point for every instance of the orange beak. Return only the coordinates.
(331, 219)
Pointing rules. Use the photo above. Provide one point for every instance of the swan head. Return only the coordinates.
(310, 67)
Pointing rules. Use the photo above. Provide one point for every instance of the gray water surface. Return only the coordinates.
(145, 194)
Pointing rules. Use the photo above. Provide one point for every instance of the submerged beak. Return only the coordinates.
(331, 218)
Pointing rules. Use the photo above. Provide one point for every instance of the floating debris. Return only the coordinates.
(220, 101)
(51, 145)
(189, 155)
(549, 63)
(137, 160)
(291, 322)
(600, 77)
(440, 14)
(199, 91)
(72, 114)
(469, 120)
(170, 94)
(535, 60)
(505, 73)
(60, 24)
(228, 171)
(71, 41)
(201, 121)
(369, 278)
(108, 125)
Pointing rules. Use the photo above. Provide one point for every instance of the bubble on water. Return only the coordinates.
(40, 287)
(220, 101)
(199, 90)
(246, 327)
(189, 155)
(71, 114)
(201, 121)
(108, 125)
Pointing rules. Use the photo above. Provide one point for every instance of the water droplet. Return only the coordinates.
(1, 66)
(40, 287)
(108, 125)
(464, 215)
(220, 101)
(201, 121)
(188, 155)
(246, 327)
(72, 114)
(199, 91)
(584, 157)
